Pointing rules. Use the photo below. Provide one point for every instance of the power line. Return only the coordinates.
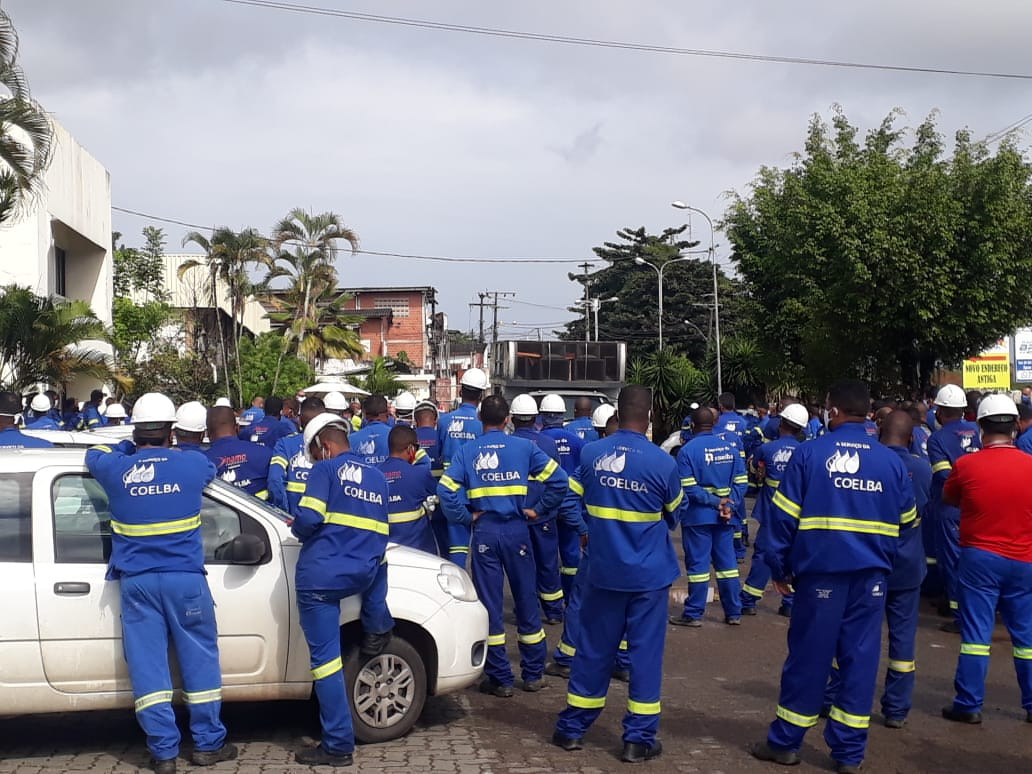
(498, 32)
(999, 134)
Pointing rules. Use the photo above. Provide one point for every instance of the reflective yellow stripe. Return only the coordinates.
(724, 574)
(954, 605)
(902, 666)
(567, 650)
(313, 503)
(262, 495)
(496, 639)
(449, 483)
(102, 448)
(643, 707)
(690, 481)
(673, 505)
(551, 596)
(358, 522)
(533, 638)
(752, 590)
(585, 702)
(772, 483)
(931, 560)
(202, 697)
(458, 549)
(157, 527)
(741, 479)
(938, 467)
(401, 517)
(853, 721)
(420, 455)
(786, 505)
(722, 491)
(1023, 653)
(498, 491)
(908, 516)
(702, 577)
(296, 486)
(150, 699)
(576, 486)
(568, 570)
(278, 460)
(436, 473)
(327, 669)
(803, 721)
(618, 514)
(843, 524)
(547, 472)
(973, 649)
(737, 535)
(623, 645)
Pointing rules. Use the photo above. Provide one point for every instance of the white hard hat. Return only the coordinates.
(951, 396)
(426, 405)
(153, 407)
(523, 406)
(795, 414)
(475, 378)
(335, 401)
(600, 417)
(115, 411)
(405, 402)
(316, 425)
(223, 402)
(40, 403)
(192, 417)
(553, 404)
(997, 407)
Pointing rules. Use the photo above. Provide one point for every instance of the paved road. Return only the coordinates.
(719, 692)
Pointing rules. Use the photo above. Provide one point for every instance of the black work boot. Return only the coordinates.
(635, 752)
(164, 766)
(374, 644)
(765, 752)
(319, 756)
(227, 752)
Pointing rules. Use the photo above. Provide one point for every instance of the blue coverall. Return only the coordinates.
(834, 534)
(711, 468)
(243, 464)
(343, 528)
(91, 418)
(454, 429)
(631, 492)
(13, 438)
(583, 429)
(43, 422)
(430, 446)
(288, 473)
(370, 443)
(408, 487)
(490, 475)
(265, 431)
(158, 555)
(569, 446)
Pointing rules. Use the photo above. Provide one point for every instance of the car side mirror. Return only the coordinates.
(243, 549)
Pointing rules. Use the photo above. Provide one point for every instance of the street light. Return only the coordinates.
(595, 304)
(659, 272)
(716, 300)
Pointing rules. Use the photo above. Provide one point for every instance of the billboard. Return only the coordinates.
(1023, 355)
(991, 370)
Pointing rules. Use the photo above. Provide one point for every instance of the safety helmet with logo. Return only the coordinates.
(523, 406)
(115, 411)
(219, 402)
(335, 401)
(192, 417)
(553, 404)
(405, 404)
(153, 410)
(951, 396)
(795, 414)
(997, 408)
(474, 378)
(600, 417)
(315, 426)
(40, 403)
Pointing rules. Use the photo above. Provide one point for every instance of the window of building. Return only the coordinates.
(60, 264)
(399, 306)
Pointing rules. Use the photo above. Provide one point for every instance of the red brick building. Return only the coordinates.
(396, 320)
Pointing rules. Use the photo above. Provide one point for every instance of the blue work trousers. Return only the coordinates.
(706, 544)
(835, 617)
(987, 581)
(947, 552)
(157, 607)
(569, 555)
(544, 539)
(416, 534)
(502, 550)
(567, 647)
(605, 616)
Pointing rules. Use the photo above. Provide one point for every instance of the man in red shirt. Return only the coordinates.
(991, 488)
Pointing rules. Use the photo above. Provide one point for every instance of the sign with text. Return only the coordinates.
(1023, 355)
(989, 372)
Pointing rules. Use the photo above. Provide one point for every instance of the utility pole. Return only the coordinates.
(494, 322)
(482, 304)
(587, 300)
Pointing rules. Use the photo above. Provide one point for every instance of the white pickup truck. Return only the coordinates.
(60, 636)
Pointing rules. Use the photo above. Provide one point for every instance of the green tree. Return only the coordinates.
(382, 379)
(183, 376)
(26, 134)
(266, 370)
(43, 340)
(138, 274)
(881, 260)
(675, 383)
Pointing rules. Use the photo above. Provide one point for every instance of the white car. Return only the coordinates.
(60, 642)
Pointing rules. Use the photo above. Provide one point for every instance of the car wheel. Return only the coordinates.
(386, 692)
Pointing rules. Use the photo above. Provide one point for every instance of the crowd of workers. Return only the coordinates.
(862, 506)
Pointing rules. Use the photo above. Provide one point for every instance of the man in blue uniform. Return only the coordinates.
(713, 476)
(157, 554)
(10, 436)
(41, 416)
(569, 446)
(729, 421)
(289, 466)
(631, 491)
(544, 535)
(486, 486)
(91, 418)
(1024, 439)
(255, 413)
(412, 489)
(243, 464)
(343, 528)
(955, 437)
(833, 536)
(581, 425)
(769, 463)
(190, 426)
(270, 428)
(424, 418)
(454, 429)
(370, 443)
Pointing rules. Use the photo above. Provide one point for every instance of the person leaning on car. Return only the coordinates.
(156, 552)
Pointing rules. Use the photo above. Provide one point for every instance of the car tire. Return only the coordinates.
(386, 692)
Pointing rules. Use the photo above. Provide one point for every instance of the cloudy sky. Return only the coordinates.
(449, 144)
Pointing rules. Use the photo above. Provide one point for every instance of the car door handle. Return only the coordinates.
(69, 589)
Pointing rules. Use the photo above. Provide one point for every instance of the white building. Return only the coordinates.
(63, 247)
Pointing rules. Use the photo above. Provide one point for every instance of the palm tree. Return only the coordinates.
(26, 135)
(41, 340)
(382, 379)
